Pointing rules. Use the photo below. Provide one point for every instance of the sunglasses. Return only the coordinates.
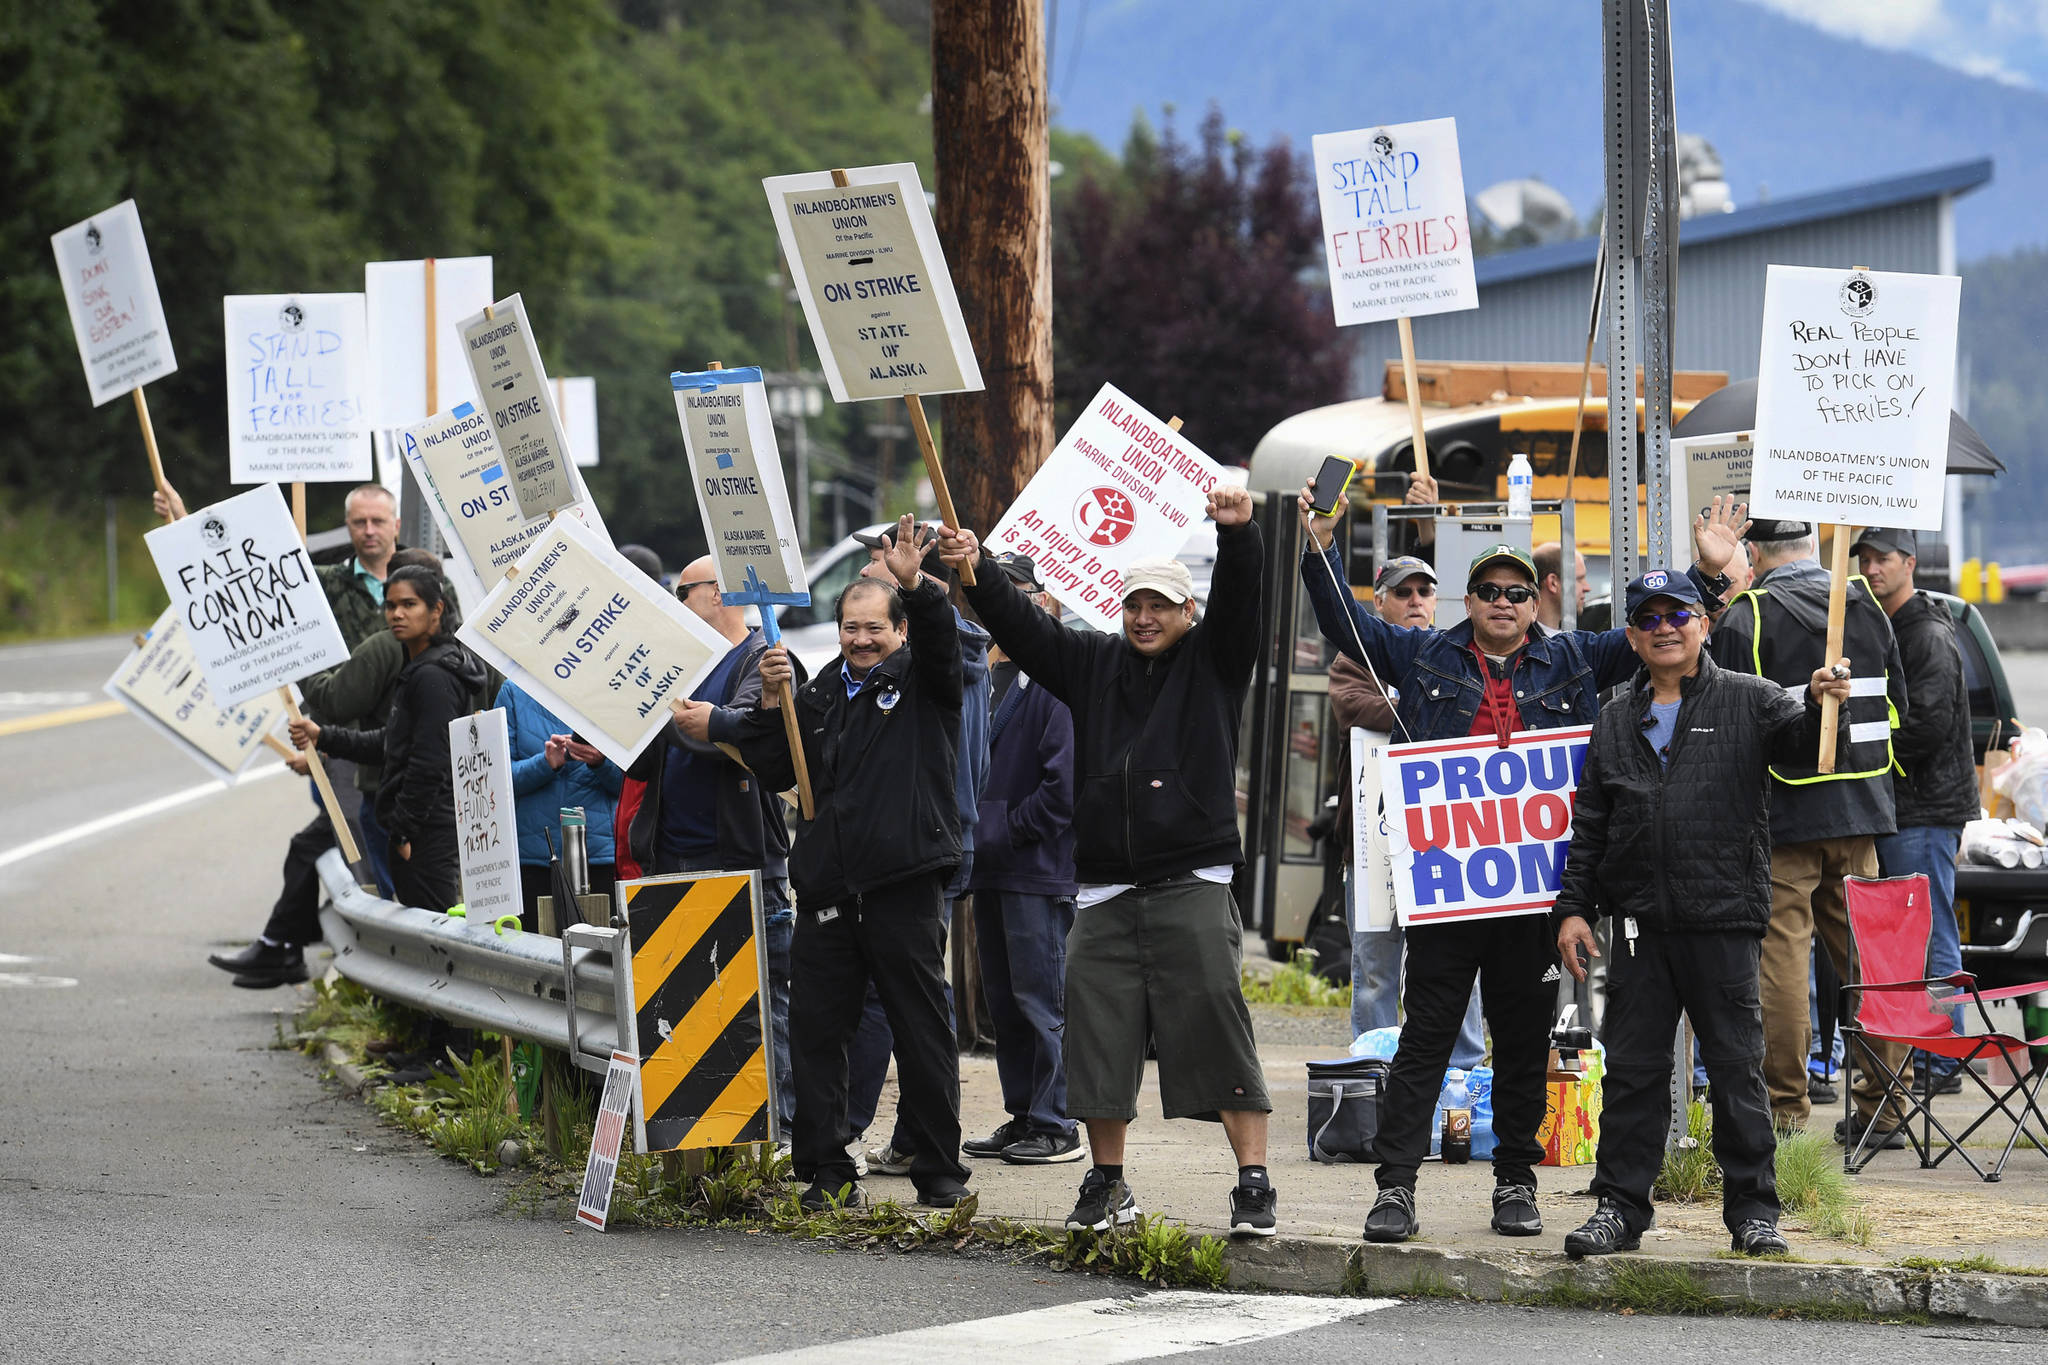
(1409, 591)
(1679, 619)
(683, 589)
(1516, 593)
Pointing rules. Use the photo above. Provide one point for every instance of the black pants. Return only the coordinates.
(894, 937)
(1510, 958)
(1713, 979)
(295, 919)
(431, 878)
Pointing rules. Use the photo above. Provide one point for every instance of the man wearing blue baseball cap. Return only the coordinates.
(1672, 813)
(1497, 672)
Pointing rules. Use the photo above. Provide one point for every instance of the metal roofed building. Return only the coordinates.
(1533, 303)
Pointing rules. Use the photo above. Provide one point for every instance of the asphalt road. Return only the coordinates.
(173, 1187)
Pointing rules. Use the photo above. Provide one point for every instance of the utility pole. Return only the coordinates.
(994, 216)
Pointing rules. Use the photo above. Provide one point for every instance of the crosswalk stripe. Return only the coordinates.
(1094, 1332)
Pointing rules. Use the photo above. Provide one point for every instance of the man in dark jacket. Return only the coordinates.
(1495, 673)
(1668, 829)
(1023, 888)
(880, 728)
(1934, 786)
(1156, 945)
(703, 811)
(1824, 826)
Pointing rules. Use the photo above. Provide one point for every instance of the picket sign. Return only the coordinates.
(738, 476)
(909, 319)
(1855, 383)
(1372, 864)
(1395, 235)
(1478, 830)
(117, 315)
(480, 762)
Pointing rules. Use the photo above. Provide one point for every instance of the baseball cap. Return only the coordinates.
(1765, 531)
(1021, 568)
(1670, 583)
(1888, 540)
(1500, 554)
(1396, 571)
(1164, 575)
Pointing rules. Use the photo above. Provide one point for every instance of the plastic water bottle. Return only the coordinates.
(1521, 488)
(1456, 1104)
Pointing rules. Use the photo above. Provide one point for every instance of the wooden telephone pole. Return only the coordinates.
(994, 185)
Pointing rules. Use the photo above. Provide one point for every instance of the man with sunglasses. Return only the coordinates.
(1494, 673)
(1672, 815)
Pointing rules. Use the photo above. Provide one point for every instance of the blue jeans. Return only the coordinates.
(781, 932)
(1376, 990)
(1931, 849)
(1022, 943)
(376, 846)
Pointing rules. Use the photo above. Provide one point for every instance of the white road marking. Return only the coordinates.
(14, 960)
(31, 979)
(49, 842)
(1094, 1332)
(44, 698)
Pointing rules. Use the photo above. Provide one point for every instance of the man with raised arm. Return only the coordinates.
(1494, 673)
(1156, 944)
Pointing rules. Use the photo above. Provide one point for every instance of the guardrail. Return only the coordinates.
(512, 983)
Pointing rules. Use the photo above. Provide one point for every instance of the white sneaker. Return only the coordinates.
(860, 1157)
(887, 1160)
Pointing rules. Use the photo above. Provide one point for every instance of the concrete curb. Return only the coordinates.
(1325, 1265)
(345, 1071)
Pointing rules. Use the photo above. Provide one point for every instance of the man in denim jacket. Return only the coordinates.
(1495, 673)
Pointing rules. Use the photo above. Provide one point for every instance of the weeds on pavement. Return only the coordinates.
(464, 1116)
(1294, 982)
(1811, 1184)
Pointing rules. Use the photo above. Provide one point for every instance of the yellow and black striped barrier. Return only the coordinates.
(700, 1010)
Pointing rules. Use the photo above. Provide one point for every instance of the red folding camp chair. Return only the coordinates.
(1891, 1000)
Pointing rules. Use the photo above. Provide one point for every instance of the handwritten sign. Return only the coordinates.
(116, 312)
(486, 824)
(455, 460)
(1477, 831)
(298, 388)
(1372, 866)
(245, 592)
(602, 645)
(1853, 394)
(576, 401)
(730, 440)
(873, 281)
(163, 686)
(1702, 469)
(396, 303)
(1394, 226)
(1120, 486)
(505, 361)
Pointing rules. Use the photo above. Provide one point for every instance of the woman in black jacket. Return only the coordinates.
(416, 801)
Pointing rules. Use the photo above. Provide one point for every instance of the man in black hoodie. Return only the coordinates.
(881, 731)
(1156, 944)
(1668, 832)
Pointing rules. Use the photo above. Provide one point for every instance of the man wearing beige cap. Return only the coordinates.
(1156, 944)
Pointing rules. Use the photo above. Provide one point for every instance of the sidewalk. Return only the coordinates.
(1184, 1171)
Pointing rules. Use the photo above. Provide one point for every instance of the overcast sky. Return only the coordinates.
(2004, 39)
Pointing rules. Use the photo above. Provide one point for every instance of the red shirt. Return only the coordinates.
(1497, 715)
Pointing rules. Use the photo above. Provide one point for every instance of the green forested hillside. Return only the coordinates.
(607, 156)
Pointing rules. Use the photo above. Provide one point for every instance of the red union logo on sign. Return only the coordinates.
(1105, 516)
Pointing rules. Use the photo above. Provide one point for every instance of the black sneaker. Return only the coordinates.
(263, 965)
(1759, 1238)
(1514, 1211)
(1252, 1210)
(819, 1197)
(1889, 1141)
(1946, 1083)
(1016, 1130)
(1607, 1231)
(1043, 1149)
(1818, 1091)
(942, 1192)
(1103, 1202)
(1392, 1218)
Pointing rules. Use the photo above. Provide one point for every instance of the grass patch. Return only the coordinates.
(53, 568)
(1690, 1174)
(465, 1117)
(1966, 1265)
(1811, 1183)
(1294, 982)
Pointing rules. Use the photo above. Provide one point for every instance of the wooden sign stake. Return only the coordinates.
(1414, 393)
(299, 508)
(433, 360)
(915, 403)
(156, 461)
(1838, 602)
